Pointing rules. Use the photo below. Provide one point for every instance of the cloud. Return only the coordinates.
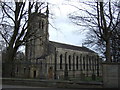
(66, 29)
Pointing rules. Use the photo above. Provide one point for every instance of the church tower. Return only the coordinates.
(37, 44)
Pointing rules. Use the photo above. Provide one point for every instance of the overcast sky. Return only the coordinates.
(66, 32)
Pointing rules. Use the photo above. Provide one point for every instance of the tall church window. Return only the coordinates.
(17, 69)
(81, 62)
(93, 63)
(30, 49)
(24, 70)
(34, 48)
(90, 62)
(39, 24)
(96, 63)
(74, 61)
(42, 24)
(61, 61)
(87, 62)
(29, 69)
(77, 62)
(69, 62)
(84, 63)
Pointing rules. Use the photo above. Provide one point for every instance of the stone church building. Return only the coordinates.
(47, 59)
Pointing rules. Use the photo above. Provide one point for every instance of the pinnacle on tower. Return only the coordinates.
(47, 11)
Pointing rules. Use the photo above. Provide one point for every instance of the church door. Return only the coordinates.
(34, 74)
(50, 73)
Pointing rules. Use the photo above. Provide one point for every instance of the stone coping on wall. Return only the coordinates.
(111, 63)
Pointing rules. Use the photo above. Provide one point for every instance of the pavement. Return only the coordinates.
(21, 84)
(21, 87)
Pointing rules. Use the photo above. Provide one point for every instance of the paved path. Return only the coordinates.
(20, 87)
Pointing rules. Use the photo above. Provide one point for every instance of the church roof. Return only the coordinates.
(72, 47)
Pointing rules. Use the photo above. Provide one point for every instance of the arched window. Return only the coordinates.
(81, 62)
(61, 61)
(17, 69)
(87, 62)
(93, 63)
(96, 63)
(90, 62)
(42, 24)
(77, 62)
(69, 62)
(74, 61)
(84, 63)
(24, 70)
(31, 49)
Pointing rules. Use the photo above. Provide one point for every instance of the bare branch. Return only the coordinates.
(4, 37)
(3, 7)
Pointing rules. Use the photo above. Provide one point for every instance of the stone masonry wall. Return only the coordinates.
(111, 75)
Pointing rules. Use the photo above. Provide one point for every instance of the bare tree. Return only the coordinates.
(115, 44)
(102, 19)
(14, 25)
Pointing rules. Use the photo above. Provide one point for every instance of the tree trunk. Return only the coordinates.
(9, 65)
(108, 51)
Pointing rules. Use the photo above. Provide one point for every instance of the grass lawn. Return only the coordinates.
(90, 79)
(86, 79)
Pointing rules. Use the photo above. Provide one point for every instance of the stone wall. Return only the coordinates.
(111, 75)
